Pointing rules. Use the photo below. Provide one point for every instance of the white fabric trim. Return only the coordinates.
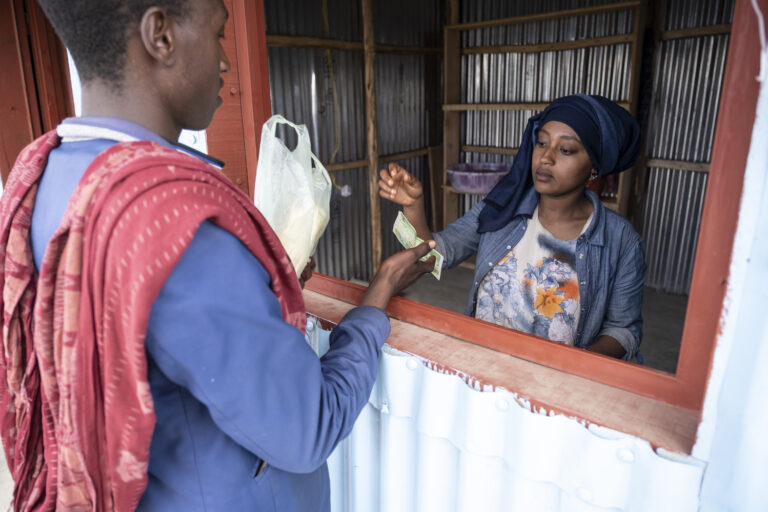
(71, 132)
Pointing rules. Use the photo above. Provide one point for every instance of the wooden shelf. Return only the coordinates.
(569, 13)
(452, 108)
(550, 47)
(464, 107)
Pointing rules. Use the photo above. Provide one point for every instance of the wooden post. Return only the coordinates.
(251, 34)
(451, 119)
(626, 179)
(235, 133)
(436, 170)
(35, 92)
(635, 210)
(371, 132)
(432, 78)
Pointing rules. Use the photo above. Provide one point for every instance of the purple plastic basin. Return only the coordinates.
(476, 178)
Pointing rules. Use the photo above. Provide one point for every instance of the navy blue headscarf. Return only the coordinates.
(609, 134)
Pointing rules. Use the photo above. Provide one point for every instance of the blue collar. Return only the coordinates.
(528, 203)
(137, 132)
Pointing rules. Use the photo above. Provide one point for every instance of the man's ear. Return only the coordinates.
(157, 36)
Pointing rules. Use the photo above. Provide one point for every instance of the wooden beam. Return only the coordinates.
(709, 30)
(636, 205)
(436, 170)
(638, 32)
(372, 132)
(322, 43)
(620, 6)
(489, 149)
(451, 118)
(548, 47)
(679, 165)
(355, 164)
(463, 107)
(626, 179)
(250, 32)
(280, 41)
(408, 50)
(404, 156)
(235, 132)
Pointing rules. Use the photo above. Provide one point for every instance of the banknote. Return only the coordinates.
(406, 235)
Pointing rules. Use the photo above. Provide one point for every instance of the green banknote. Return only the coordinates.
(406, 235)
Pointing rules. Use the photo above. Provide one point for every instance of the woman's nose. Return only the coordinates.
(547, 155)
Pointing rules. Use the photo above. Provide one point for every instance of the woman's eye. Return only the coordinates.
(566, 151)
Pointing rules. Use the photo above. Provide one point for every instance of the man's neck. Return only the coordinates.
(140, 107)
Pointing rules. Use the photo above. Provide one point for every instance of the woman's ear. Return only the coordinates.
(157, 37)
(593, 175)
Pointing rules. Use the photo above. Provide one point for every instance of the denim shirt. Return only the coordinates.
(610, 267)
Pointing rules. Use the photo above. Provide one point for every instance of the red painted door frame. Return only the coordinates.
(235, 132)
(35, 94)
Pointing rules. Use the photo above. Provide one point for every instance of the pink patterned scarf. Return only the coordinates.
(76, 413)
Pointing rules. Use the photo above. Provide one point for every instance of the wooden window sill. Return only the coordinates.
(664, 425)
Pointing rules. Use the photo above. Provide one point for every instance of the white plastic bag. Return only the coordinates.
(292, 195)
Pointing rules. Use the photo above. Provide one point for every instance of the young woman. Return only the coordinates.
(551, 259)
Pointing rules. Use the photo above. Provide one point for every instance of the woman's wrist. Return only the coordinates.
(415, 207)
(416, 215)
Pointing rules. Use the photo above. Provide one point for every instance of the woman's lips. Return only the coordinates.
(540, 175)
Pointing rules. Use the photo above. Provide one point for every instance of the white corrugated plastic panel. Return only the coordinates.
(428, 441)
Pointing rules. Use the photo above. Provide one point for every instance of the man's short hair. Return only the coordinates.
(96, 31)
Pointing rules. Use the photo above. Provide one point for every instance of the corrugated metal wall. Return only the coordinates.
(427, 441)
(688, 76)
(535, 77)
(302, 91)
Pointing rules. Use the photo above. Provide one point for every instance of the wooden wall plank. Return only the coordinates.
(582, 11)
(451, 118)
(372, 132)
(709, 30)
(551, 47)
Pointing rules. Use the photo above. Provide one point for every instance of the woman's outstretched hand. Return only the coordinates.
(399, 186)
